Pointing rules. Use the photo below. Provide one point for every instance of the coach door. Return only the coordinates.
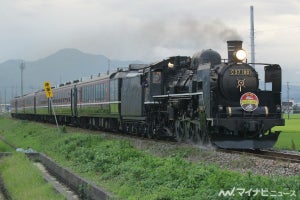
(74, 101)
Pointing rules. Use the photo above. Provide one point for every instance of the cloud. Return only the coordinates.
(147, 30)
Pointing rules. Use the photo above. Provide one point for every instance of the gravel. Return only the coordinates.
(232, 161)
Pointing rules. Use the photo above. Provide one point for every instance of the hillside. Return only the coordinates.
(63, 66)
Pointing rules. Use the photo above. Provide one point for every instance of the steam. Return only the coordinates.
(157, 39)
(185, 36)
(187, 33)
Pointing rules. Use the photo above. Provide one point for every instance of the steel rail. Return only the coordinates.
(266, 154)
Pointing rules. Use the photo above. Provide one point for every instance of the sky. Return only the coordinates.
(150, 30)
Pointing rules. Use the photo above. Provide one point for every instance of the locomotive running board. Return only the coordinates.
(265, 142)
(180, 95)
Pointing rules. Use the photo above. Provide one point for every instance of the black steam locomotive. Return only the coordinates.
(199, 99)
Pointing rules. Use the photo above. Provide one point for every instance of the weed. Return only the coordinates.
(293, 145)
(63, 129)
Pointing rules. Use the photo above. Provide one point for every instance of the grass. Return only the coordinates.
(133, 174)
(24, 181)
(289, 138)
(4, 147)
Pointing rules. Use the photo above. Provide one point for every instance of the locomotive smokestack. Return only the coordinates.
(232, 46)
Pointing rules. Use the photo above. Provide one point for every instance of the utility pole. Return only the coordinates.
(252, 36)
(288, 98)
(108, 67)
(22, 67)
(5, 103)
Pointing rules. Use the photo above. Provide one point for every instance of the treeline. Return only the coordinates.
(296, 108)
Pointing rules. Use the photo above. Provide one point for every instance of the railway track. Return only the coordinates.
(267, 154)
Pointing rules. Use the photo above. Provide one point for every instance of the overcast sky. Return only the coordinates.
(149, 30)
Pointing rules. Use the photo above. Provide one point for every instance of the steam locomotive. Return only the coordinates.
(200, 99)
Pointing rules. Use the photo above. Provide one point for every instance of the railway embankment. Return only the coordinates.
(64, 181)
(79, 185)
(142, 169)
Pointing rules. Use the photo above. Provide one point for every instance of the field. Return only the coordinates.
(290, 135)
(130, 173)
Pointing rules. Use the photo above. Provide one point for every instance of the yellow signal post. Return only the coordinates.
(48, 89)
(49, 95)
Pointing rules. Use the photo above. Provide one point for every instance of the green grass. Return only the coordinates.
(4, 147)
(133, 174)
(24, 181)
(289, 138)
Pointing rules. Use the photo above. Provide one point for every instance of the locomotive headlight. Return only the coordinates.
(240, 55)
(170, 65)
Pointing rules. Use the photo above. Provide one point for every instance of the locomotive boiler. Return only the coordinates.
(202, 98)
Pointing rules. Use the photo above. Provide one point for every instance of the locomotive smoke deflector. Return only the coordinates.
(235, 51)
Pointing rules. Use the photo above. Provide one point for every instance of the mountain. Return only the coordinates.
(63, 66)
(68, 65)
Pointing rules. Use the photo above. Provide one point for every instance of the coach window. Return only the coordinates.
(97, 93)
(85, 93)
(94, 93)
(97, 97)
(104, 91)
(99, 88)
(100, 91)
(91, 93)
(60, 97)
